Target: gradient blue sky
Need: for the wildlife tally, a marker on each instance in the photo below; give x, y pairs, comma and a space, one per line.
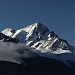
57, 15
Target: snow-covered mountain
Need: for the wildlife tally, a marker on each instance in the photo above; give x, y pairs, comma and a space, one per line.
34, 41
39, 37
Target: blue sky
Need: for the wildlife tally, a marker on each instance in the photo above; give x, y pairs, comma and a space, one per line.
57, 15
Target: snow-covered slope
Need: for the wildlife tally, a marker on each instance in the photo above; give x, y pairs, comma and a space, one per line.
33, 33
9, 32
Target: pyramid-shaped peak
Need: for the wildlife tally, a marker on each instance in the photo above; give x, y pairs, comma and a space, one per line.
36, 27
39, 25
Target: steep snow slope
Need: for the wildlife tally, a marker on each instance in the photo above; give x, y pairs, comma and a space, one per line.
33, 32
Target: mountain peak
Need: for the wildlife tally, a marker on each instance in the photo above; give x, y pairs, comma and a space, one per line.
38, 24
39, 27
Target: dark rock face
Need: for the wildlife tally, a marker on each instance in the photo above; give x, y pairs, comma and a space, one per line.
7, 38
36, 66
